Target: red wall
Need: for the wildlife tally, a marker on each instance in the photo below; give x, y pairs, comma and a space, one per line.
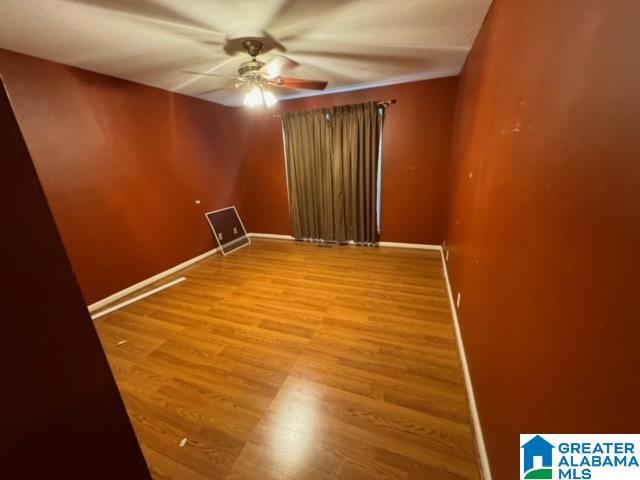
122, 165
544, 220
417, 137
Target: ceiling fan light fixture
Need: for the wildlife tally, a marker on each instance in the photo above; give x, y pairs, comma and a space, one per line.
258, 96
269, 99
254, 99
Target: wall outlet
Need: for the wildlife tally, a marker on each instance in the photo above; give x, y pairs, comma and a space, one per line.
458, 300
235, 230
220, 236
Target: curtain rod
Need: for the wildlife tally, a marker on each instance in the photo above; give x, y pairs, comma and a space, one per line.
381, 103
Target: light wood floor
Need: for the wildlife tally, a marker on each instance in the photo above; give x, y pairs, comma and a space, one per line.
287, 360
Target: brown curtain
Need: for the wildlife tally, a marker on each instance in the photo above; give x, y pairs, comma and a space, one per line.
332, 169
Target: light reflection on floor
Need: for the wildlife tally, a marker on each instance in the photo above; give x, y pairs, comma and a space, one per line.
294, 433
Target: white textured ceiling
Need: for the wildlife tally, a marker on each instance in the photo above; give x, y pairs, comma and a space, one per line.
350, 43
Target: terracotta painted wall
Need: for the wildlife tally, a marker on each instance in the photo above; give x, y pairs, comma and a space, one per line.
416, 143
122, 165
544, 220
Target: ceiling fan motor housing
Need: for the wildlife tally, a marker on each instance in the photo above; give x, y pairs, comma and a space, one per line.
253, 48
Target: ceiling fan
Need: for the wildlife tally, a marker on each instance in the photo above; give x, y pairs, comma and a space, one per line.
260, 76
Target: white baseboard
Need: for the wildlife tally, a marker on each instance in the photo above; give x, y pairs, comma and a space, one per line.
106, 311
485, 468
129, 290
419, 246
274, 236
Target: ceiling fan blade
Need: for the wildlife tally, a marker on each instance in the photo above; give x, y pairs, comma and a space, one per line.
274, 67
302, 83
211, 74
214, 90
155, 12
294, 19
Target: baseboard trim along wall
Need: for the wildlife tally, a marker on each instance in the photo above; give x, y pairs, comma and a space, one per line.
418, 246
129, 290
273, 236
485, 468
118, 306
